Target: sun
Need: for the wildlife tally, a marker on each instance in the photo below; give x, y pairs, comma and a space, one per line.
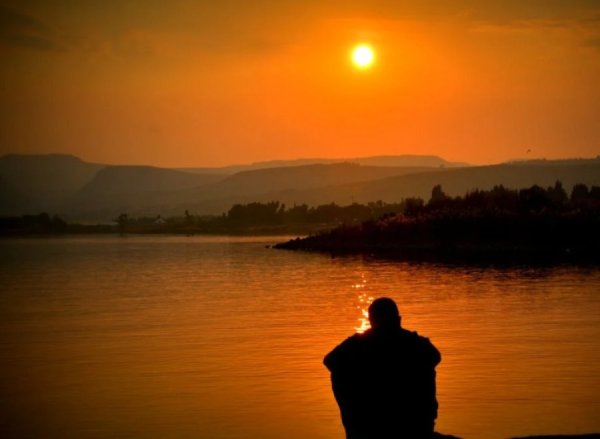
363, 56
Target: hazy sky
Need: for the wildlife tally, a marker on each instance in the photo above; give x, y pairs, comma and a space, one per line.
192, 83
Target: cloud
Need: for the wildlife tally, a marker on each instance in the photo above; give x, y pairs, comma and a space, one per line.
522, 25
584, 25
21, 30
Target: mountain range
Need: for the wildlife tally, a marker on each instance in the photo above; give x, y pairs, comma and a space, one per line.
90, 192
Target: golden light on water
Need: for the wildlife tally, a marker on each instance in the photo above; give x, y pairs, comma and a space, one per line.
363, 56
364, 300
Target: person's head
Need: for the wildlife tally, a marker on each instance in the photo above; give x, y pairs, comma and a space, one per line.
383, 314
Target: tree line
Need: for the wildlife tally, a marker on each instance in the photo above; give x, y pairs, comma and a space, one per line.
42, 223
497, 201
501, 200
275, 216
531, 224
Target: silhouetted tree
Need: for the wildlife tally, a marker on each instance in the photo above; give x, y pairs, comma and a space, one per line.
327, 212
533, 199
413, 206
122, 221
579, 194
254, 213
58, 224
595, 193
437, 194
503, 199
439, 199
297, 214
557, 196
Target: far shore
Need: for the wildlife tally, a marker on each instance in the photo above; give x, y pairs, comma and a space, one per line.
113, 231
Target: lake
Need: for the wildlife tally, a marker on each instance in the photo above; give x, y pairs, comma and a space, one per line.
223, 338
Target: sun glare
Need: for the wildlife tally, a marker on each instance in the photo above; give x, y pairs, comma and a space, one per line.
363, 56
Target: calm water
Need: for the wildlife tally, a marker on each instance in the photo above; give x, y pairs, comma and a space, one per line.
221, 338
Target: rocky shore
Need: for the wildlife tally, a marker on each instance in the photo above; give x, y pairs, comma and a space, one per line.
467, 238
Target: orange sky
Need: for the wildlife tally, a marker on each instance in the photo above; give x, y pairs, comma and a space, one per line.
193, 83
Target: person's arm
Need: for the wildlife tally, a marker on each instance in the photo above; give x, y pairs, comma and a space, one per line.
435, 357
338, 357
428, 352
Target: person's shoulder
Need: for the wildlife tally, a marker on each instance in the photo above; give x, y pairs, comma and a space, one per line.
340, 354
353, 340
416, 337
425, 346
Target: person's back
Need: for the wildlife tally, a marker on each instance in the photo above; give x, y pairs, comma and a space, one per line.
384, 379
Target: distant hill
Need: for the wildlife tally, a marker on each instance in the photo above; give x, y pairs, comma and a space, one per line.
115, 180
131, 189
419, 184
88, 192
66, 185
393, 189
406, 160
116, 190
454, 182
409, 160
303, 177
12, 200
31, 183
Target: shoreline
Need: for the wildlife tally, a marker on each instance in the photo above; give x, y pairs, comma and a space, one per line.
485, 255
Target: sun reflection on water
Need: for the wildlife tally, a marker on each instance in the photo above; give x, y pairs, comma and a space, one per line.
364, 300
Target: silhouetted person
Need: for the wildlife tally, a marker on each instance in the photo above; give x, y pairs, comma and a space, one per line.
384, 379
